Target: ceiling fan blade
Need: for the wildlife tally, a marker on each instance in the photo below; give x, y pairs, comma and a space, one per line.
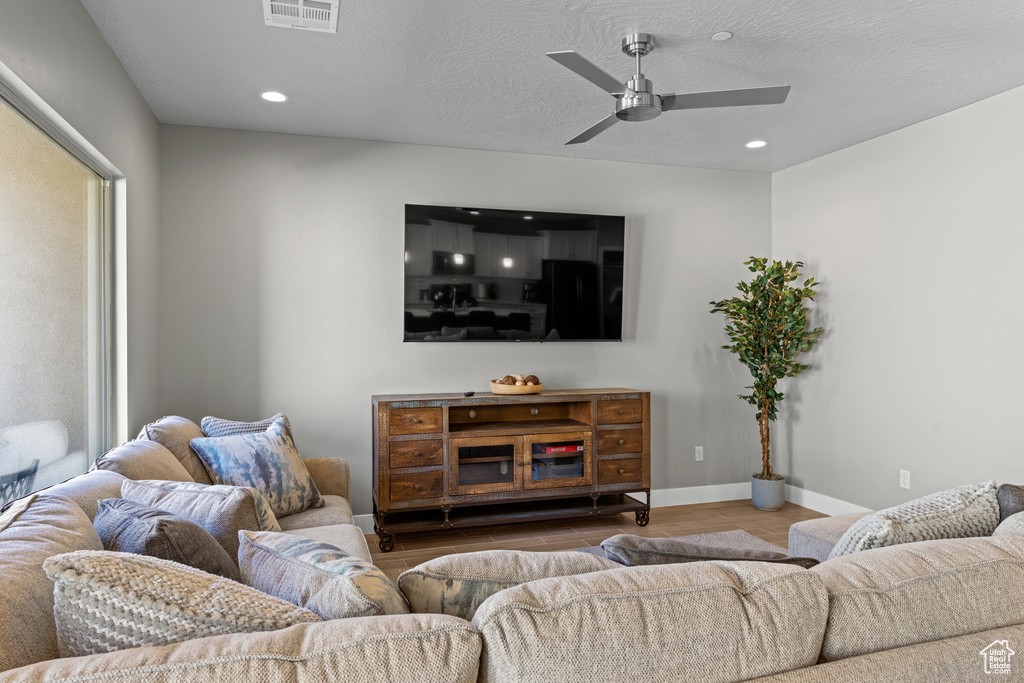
725, 98
602, 125
576, 62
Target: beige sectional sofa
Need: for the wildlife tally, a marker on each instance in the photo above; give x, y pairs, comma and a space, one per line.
917, 612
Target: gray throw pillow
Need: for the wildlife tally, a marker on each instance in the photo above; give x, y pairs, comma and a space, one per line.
129, 527
174, 433
266, 461
1011, 500
458, 584
221, 510
106, 601
216, 426
635, 550
143, 459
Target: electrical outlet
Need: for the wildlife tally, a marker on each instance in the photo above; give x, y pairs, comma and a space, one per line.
698, 453
904, 479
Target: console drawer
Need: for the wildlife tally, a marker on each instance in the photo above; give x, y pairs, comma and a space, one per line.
620, 412
415, 420
418, 485
416, 453
611, 441
630, 470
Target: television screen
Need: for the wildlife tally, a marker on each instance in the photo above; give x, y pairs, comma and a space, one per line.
476, 274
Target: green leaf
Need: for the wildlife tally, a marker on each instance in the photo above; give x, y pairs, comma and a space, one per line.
767, 328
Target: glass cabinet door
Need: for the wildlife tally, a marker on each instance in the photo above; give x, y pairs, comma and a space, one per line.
485, 464
557, 460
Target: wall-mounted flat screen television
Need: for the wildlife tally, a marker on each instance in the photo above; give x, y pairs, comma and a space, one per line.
478, 274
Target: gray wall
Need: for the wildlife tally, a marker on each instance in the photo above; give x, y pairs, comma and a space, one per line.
281, 261
56, 49
917, 237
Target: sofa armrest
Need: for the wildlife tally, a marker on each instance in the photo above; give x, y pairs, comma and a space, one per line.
816, 537
330, 476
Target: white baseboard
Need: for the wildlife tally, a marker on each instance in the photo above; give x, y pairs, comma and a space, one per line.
716, 493
819, 502
688, 495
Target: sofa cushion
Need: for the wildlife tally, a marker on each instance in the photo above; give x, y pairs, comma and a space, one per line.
1011, 500
336, 510
410, 648
962, 512
907, 594
129, 527
1011, 526
221, 510
266, 461
699, 621
217, 426
175, 434
34, 529
458, 584
143, 459
317, 576
88, 489
633, 550
106, 601
953, 660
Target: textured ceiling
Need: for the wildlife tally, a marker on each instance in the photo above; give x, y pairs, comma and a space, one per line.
473, 73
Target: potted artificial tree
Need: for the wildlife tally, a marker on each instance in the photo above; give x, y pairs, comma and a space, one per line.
767, 328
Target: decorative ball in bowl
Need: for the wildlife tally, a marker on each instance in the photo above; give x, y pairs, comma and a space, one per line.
516, 384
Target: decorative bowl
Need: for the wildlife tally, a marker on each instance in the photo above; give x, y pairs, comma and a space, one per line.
511, 389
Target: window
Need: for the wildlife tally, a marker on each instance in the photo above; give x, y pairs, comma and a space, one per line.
54, 341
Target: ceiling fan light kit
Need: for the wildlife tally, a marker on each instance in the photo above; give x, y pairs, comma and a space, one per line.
636, 101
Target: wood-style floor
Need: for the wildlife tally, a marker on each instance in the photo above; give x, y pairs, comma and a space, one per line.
679, 520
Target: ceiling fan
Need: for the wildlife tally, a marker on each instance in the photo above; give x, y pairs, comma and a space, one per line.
634, 100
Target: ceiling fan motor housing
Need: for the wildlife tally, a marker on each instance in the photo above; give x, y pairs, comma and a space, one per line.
640, 104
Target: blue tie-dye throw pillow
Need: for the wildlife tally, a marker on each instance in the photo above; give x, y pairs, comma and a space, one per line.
267, 461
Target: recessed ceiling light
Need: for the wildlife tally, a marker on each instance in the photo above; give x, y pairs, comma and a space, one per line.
274, 96
475, 213
527, 218
721, 36
754, 144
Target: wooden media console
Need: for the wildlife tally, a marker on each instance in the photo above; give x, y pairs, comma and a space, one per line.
444, 461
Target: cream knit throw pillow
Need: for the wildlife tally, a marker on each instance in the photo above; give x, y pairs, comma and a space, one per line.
962, 512
106, 601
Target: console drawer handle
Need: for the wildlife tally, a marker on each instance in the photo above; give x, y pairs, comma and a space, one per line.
417, 454
417, 486
622, 412
534, 411
622, 471
417, 421
472, 413
622, 441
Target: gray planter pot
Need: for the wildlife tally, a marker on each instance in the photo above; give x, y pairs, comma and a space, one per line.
767, 494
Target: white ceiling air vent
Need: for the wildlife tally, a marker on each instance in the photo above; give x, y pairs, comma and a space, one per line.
309, 15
